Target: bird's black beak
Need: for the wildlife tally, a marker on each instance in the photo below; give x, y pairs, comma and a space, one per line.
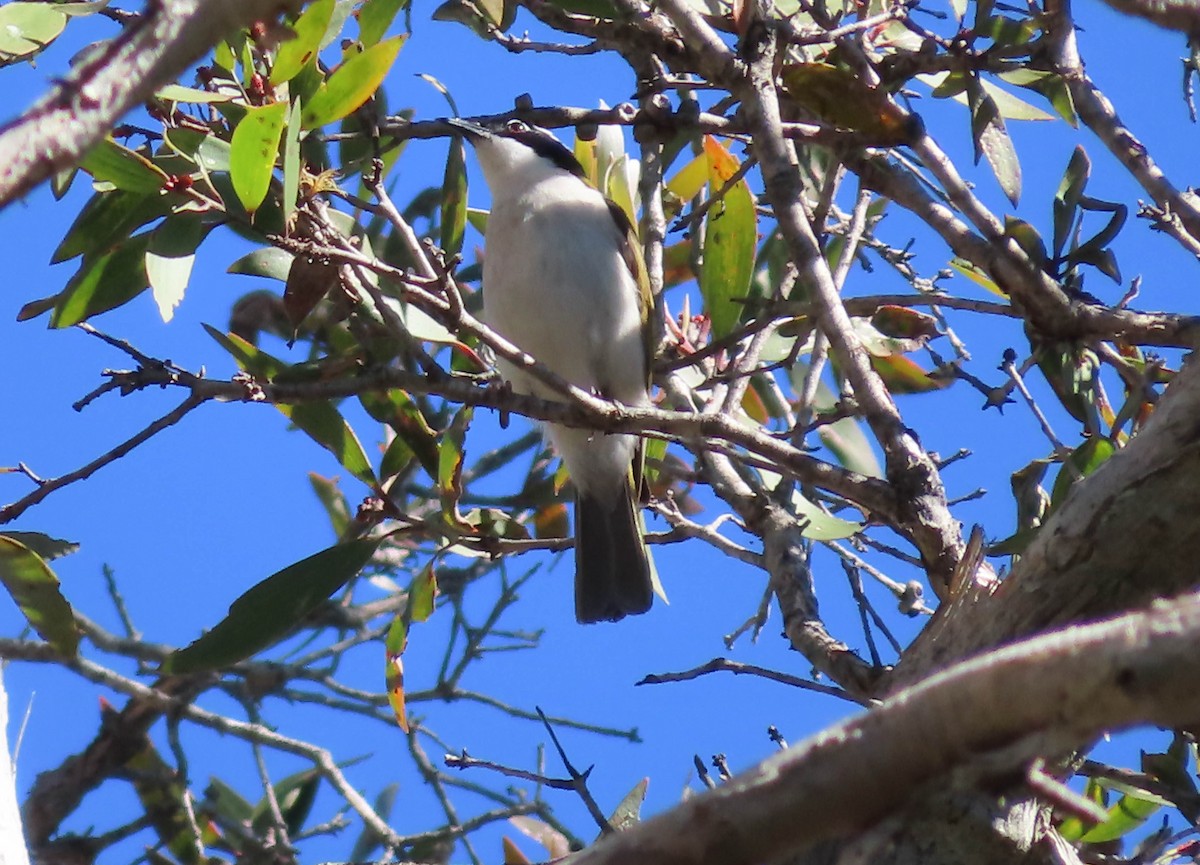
473, 131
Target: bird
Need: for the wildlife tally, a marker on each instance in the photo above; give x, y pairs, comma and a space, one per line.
564, 280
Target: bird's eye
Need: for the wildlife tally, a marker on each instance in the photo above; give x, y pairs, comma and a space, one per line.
516, 126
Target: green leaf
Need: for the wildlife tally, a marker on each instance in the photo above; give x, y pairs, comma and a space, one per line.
253, 150
109, 162
730, 238
27, 28
1066, 199
1127, 813
295, 796
295, 53
106, 220
1026, 237
1084, 460
35, 589
374, 19
820, 526
398, 410
322, 422
334, 502
207, 151
270, 262
992, 141
369, 840
454, 198
351, 84
169, 259
291, 163
269, 611
103, 282
193, 95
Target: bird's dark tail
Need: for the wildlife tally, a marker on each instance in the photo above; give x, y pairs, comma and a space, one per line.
612, 565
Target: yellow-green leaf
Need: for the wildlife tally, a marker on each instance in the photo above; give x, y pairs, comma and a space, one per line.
351, 84
27, 28
34, 586
295, 53
253, 150
374, 19
123, 168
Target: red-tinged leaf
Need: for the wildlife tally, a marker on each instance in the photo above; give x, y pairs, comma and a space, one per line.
551, 521
422, 593
903, 322
397, 639
34, 587
271, 610
125, 169
351, 84
904, 375
295, 53
253, 151
103, 282
319, 419
513, 854
309, 280
374, 19
554, 842
730, 238
450, 462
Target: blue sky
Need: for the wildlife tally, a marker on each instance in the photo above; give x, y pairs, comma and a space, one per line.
214, 505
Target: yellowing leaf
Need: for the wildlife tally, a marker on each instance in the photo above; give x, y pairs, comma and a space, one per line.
295, 53
730, 237
351, 84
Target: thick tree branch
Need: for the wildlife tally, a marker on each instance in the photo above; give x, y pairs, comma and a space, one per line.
978, 721
83, 107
